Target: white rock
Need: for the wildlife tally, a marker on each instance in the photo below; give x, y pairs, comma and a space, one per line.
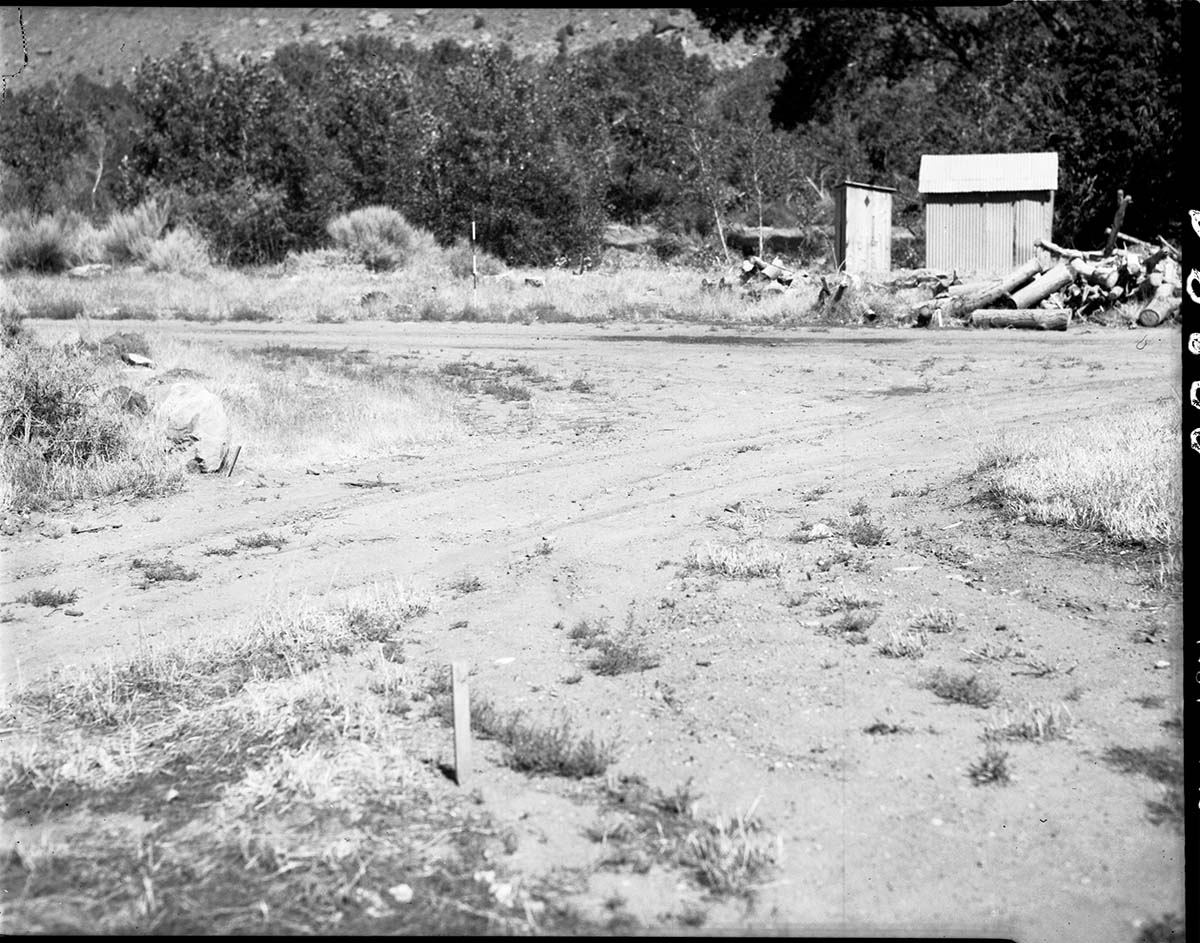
194, 417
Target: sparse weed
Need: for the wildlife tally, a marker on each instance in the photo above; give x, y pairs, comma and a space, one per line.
859, 508
261, 539
936, 621
616, 655
505, 392
1162, 764
468, 583
863, 533
582, 385
903, 645
880, 727
963, 688
587, 632
161, 571
990, 652
219, 551
839, 601
50, 598
812, 494
991, 769
1036, 722
824, 564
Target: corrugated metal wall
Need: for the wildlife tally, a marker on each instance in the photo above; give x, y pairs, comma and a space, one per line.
985, 233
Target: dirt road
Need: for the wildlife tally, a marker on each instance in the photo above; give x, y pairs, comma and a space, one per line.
587, 504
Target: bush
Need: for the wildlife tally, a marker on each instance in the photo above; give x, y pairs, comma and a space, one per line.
458, 260
181, 251
129, 237
379, 237
42, 245
49, 404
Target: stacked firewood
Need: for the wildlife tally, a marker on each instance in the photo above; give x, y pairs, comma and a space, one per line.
1068, 284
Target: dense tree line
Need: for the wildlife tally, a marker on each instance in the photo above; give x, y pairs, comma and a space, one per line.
259, 155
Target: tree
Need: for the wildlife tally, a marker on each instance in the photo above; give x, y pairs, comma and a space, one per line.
39, 135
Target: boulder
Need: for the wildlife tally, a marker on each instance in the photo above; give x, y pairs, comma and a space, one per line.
194, 419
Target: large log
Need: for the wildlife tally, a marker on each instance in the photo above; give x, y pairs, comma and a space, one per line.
1162, 307
1042, 319
1044, 286
994, 294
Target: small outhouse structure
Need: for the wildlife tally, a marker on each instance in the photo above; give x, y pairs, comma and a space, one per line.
862, 241
984, 211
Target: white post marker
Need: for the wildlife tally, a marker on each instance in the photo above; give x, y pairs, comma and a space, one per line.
462, 722
474, 269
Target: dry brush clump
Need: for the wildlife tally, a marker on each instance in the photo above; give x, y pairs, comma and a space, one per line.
1035, 722
63, 439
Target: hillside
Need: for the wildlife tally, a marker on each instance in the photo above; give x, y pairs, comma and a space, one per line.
104, 43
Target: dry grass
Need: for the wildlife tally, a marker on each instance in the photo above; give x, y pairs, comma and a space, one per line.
247, 786
1035, 722
903, 645
299, 410
49, 598
1119, 474
324, 287
935, 620
736, 562
991, 769
727, 855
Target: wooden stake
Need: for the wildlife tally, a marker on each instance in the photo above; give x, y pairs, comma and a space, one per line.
236, 453
462, 722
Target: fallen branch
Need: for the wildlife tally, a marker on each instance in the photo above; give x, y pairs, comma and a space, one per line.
1066, 253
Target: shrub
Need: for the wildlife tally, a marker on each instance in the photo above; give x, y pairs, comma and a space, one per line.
181, 251
47, 395
963, 689
41, 245
458, 260
129, 237
379, 237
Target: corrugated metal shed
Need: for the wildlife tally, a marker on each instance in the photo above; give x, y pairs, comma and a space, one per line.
983, 212
988, 173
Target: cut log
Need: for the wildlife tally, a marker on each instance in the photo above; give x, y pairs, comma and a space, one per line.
995, 294
1162, 307
1119, 217
968, 288
1041, 319
1044, 286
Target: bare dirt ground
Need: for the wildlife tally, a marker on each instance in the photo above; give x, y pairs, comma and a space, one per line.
586, 504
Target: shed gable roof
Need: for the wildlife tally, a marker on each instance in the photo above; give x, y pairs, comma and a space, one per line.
988, 173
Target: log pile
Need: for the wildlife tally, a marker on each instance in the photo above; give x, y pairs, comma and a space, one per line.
1140, 279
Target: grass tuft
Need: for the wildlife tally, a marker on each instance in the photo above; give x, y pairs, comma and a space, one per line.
863, 533
937, 621
1036, 722
903, 645
991, 769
